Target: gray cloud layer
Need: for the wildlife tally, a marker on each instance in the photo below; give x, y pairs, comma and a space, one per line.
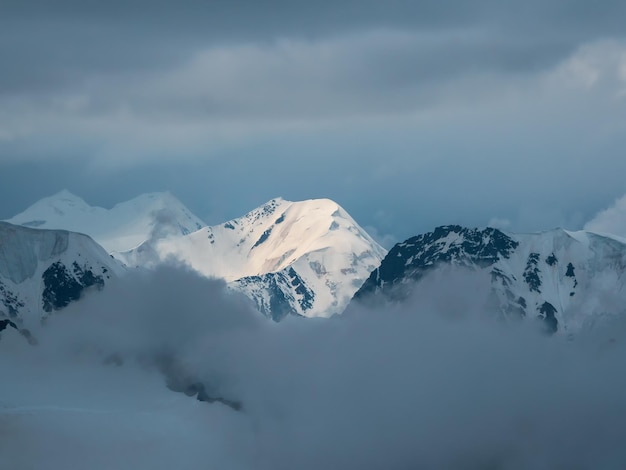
62, 45
374, 104
433, 383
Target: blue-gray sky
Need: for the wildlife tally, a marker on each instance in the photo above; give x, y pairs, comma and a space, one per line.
410, 114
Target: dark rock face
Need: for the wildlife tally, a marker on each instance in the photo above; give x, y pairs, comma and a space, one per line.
551, 260
531, 273
63, 285
546, 313
4, 324
306, 295
281, 219
45, 270
531, 276
11, 302
199, 390
179, 380
282, 290
264, 236
450, 244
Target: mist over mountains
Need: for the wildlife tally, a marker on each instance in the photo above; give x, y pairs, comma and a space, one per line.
569, 280
462, 349
423, 383
309, 258
307, 235
303, 258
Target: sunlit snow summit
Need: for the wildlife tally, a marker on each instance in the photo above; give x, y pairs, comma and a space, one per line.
306, 258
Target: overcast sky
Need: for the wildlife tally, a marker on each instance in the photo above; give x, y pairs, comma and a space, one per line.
409, 114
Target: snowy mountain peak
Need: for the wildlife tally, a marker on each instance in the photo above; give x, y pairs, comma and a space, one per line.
565, 278
67, 196
269, 238
310, 255
263, 212
58, 205
306, 257
44, 270
121, 228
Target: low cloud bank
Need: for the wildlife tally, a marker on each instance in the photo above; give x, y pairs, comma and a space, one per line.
431, 383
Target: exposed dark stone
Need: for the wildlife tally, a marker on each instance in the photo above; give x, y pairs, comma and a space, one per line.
531, 273
547, 314
199, 390
279, 304
308, 296
262, 238
61, 287
7, 323
177, 380
413, 258
280, 287
551, 260
497, 274
10, 301
570, 273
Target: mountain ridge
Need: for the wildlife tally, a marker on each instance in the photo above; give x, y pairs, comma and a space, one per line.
44, 270
565, 278
299, 250
121, 228
303, 257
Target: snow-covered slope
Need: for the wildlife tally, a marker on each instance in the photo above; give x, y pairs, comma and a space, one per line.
566, 278
304, 257
44, 270
121, 228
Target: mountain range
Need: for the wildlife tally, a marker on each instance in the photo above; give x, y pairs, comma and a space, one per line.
566, 279
121, 228
306, 258
42, 271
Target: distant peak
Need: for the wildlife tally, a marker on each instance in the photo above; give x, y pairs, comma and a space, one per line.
62, 198
275, 201
164, 194
65, 194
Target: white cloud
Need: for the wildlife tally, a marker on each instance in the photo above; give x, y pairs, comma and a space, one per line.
611, 220
499, 223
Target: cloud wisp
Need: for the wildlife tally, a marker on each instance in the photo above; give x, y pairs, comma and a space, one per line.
611, 220
431, 383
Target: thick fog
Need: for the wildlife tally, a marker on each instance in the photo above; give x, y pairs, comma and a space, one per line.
435, 382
